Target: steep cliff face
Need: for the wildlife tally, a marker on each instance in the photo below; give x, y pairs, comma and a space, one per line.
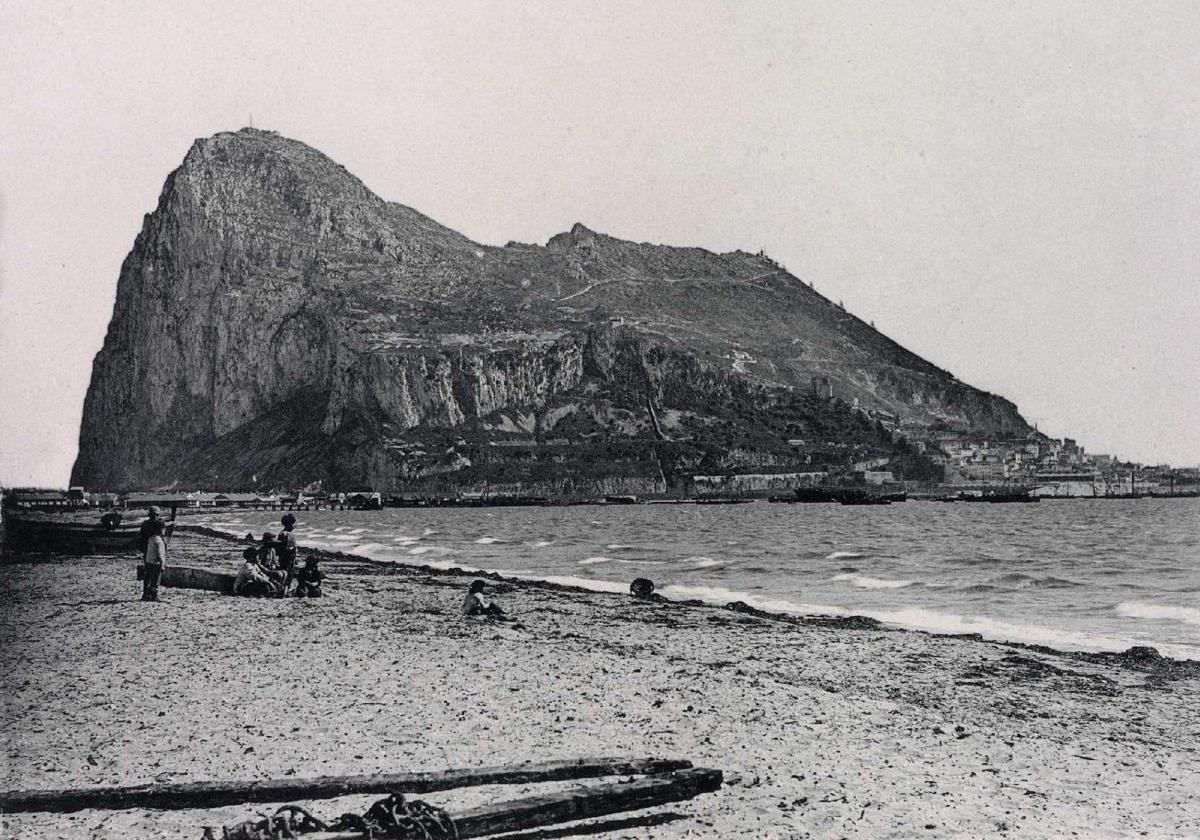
276, 323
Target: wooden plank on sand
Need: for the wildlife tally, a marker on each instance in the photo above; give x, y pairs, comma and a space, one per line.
217, 794
586, 801
579, 803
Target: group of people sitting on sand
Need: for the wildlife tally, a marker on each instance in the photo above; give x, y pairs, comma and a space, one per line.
269, 568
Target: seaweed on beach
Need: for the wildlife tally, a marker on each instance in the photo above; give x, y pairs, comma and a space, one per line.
1022, 669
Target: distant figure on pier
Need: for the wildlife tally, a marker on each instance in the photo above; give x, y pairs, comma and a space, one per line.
154, 558
476, 604
308, 579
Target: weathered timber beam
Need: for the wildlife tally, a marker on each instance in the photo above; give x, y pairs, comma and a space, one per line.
217, 794
579, 803
189, 577
584, 802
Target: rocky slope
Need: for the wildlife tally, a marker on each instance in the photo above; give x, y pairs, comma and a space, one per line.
276, 324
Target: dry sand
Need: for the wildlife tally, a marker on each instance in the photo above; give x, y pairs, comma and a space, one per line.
823, 731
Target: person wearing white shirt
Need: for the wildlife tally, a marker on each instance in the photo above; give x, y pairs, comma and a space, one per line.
155, 559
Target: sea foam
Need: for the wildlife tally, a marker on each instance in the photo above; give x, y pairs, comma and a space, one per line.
1140, 609
572, 580
867, 582
721, 595
918, 618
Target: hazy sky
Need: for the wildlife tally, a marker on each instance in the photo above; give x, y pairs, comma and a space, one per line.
1010, 190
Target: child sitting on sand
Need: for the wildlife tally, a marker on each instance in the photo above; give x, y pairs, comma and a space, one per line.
477, 604
266, 552
252, 580
308, 579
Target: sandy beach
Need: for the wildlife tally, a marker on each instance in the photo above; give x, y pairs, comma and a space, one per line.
823, 729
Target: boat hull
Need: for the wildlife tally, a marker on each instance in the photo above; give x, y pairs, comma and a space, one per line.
69, 537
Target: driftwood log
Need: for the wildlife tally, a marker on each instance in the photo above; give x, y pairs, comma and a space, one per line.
189, 577
217, 794
579, 803
586, 801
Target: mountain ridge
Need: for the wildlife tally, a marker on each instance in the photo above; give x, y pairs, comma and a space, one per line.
268, 274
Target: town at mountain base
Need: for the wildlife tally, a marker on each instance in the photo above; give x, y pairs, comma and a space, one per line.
278, 324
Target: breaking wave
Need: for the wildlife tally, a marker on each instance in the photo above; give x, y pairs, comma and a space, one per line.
1140, 609
866, 582
722, 595
1019, 580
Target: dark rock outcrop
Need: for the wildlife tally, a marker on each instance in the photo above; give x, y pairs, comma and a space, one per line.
277, 324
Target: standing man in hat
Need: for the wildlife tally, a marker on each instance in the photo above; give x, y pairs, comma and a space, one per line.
155, 559
147, 529
285, 549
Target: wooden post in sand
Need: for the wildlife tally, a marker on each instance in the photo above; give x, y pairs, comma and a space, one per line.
217, 794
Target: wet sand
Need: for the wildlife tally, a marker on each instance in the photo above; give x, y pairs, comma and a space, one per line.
823, 730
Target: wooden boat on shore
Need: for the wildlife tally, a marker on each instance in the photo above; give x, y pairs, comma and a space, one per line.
48, 535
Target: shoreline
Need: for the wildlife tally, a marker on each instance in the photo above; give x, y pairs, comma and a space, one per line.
823, 729
1137, 658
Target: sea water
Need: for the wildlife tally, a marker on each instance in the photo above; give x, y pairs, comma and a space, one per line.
1079, 574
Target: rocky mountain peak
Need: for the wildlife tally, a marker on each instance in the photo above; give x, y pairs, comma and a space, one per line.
277, 321
579, 235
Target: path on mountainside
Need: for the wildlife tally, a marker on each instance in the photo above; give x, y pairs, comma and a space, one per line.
747, 282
